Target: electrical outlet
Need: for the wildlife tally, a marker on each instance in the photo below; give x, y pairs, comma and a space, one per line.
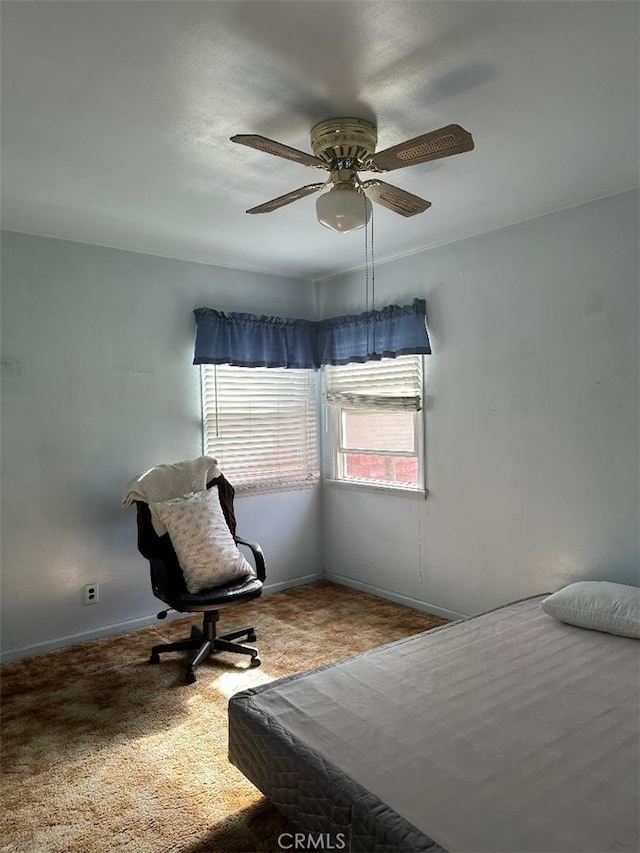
91, 593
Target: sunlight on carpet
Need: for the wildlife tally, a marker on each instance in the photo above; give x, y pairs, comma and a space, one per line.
228, 683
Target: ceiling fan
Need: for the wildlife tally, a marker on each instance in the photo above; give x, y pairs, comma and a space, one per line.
347, 146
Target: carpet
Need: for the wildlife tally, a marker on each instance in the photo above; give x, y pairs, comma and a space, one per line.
103, 752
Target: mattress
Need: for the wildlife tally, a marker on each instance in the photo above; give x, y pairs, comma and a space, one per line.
509, 731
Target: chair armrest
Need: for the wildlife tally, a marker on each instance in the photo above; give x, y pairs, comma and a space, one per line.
258, 556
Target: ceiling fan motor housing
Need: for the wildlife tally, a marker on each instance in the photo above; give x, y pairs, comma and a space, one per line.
345, 143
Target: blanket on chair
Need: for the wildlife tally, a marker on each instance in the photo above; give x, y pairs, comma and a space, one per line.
173, 480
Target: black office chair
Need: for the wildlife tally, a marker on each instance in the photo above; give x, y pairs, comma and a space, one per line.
167, 581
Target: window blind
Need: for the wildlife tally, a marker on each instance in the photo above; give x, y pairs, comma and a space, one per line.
391, 384
261, 425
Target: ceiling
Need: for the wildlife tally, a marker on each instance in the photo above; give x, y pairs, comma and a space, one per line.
116, 118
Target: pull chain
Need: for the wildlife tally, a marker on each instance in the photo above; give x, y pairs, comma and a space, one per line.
366, 275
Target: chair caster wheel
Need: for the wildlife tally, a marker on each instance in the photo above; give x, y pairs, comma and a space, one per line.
190, 677
251, 638
255, 661
154, 658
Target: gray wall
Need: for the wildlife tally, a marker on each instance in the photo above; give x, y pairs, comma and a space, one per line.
98, 385
532, 421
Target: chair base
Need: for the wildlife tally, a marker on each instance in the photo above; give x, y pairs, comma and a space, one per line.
207, 642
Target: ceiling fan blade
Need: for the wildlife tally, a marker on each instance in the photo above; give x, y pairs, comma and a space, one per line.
400, 201
261, 143
275, 203
451, 139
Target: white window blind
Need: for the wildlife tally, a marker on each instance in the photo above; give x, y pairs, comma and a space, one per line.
261, 425
392, 384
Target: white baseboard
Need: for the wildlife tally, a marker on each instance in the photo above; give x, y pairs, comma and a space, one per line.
81, 637
62, 642
415, 603
302, 581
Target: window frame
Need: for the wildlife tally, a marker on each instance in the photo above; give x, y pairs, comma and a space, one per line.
336, 451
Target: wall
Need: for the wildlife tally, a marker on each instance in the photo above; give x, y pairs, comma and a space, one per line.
98, 385
531, 423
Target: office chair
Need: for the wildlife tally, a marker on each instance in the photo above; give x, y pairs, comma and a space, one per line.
168, 584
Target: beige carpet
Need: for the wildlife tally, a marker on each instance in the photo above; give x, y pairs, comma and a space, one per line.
103, 752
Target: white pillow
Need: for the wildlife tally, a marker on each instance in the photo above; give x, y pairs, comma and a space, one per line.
206, 550
599, 605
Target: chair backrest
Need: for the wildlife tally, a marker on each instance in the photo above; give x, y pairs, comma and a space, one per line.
167, 579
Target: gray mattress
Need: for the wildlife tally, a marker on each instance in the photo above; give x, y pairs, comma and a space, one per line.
509, 731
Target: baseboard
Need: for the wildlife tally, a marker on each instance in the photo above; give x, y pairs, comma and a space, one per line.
415, 603
302, 581
127, 625
81, 637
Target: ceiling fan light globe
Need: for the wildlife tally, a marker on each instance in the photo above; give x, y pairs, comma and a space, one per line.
343, 210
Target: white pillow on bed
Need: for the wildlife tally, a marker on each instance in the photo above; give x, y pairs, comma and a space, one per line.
599, 605
206, 550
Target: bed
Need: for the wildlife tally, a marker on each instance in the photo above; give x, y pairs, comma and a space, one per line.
508, 731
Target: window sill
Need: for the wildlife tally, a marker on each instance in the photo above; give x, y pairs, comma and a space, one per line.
378, 488
270, 488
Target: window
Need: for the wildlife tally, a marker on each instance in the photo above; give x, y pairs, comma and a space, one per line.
376, 424
261, 425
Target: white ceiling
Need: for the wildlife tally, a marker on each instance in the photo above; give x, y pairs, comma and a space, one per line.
116, 118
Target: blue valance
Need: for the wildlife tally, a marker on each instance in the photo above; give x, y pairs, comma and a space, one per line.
373, 335
251, 340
